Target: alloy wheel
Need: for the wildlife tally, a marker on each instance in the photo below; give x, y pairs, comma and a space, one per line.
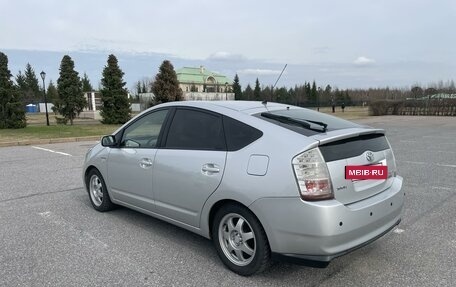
237, 239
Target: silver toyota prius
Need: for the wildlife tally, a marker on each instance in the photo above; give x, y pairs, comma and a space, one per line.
262, 180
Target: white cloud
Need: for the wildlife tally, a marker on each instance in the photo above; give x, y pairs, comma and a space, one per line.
225, 56
260, 72
308, 38
363, 61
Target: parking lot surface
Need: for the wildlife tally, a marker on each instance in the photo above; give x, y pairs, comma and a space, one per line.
51, 236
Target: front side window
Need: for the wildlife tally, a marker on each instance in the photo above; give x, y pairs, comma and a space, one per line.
145, 131
196, 130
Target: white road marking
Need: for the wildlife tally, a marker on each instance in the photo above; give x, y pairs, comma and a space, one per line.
45, 214
398, 230
439, 137
446, 165
442, 187
50, 150
412, 162
423, 150
423, 163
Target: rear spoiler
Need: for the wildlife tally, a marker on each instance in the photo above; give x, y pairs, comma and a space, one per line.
345, 134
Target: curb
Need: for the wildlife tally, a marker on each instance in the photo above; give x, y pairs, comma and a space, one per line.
49, 141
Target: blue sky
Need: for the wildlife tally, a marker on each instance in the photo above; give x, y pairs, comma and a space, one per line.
343, 43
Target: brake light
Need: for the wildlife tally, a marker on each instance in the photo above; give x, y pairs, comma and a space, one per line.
392, 167
312, 176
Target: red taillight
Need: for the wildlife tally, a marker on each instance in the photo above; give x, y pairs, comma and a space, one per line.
312, 176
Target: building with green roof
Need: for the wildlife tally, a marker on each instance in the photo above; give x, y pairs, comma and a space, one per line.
202, 84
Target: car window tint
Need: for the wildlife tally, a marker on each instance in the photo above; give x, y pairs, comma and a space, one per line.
144, 132
238, 134
192, 129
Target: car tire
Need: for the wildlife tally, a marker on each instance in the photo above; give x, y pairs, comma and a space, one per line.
240, 240
98, 193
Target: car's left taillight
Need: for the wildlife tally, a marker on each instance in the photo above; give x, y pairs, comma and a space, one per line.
312, 176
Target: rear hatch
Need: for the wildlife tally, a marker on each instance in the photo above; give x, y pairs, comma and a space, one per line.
350, 147
341, 143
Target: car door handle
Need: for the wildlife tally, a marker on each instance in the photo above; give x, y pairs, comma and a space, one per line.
145, 163
210, 168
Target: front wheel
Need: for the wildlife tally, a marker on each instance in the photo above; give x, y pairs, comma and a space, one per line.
98, 193
240, 240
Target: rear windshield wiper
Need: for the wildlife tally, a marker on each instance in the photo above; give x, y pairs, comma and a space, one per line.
322, 124
301, 122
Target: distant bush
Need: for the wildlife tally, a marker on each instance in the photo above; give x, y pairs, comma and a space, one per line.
431, 107
61, 120
378, 108
385, 107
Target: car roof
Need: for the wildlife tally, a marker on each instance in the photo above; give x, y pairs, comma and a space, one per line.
232, 105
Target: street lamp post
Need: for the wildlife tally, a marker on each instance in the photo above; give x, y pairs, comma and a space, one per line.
43, 76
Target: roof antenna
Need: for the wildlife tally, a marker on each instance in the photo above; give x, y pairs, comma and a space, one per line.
272, 90
279, 77
265, 104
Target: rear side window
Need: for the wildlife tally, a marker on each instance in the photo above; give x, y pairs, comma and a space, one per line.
196, 130
239, 135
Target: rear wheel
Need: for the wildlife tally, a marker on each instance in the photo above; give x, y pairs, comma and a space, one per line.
240, 240
98, 193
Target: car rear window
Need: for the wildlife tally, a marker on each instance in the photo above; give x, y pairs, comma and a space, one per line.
302, 114
196, 130
238, 134
352, 147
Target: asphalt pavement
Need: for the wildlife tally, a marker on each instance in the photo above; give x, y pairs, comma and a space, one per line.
51, 236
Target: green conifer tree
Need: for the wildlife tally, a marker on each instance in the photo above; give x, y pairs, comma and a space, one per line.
86, 85
166, 87
313, 94
114, 96
12, 114
33, 92
257, 91
52, 93
237, 89
71, 100
248, 93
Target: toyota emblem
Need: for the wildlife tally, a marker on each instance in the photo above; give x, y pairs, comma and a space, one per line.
370, 156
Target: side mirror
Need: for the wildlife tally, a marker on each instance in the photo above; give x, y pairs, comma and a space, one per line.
108, 141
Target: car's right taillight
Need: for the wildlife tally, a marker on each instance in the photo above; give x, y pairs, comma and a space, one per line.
392, 167
312, 176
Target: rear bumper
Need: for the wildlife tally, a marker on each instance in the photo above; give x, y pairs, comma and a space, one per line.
322, 231
321, 261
